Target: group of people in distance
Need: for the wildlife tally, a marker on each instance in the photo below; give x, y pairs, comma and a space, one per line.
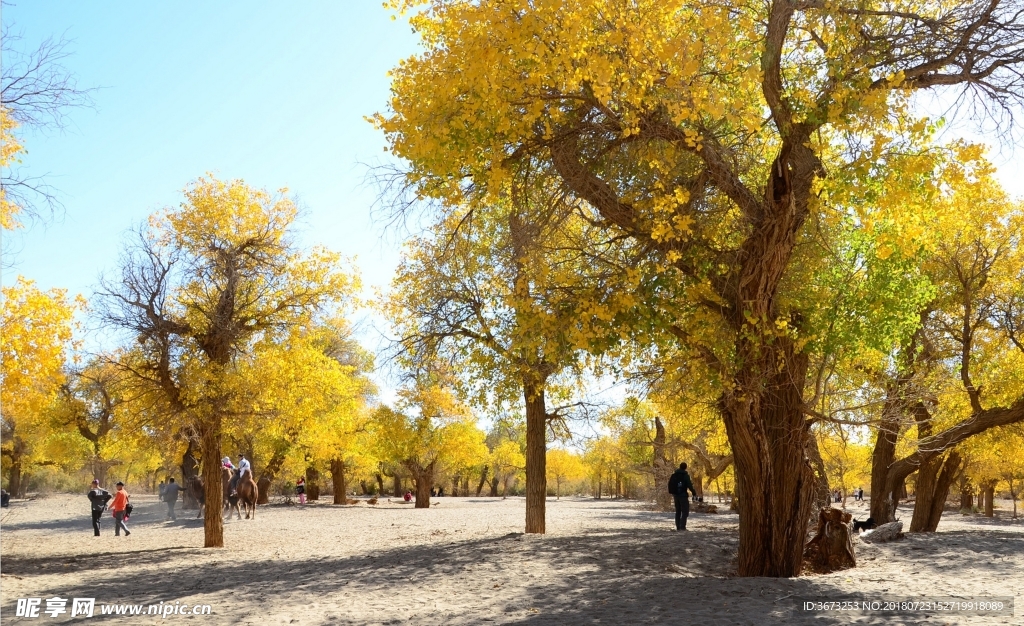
678, 485
858, 495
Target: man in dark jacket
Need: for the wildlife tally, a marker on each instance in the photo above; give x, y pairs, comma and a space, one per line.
99, 498
678, 485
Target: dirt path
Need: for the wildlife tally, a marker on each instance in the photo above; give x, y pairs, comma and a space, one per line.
464, 561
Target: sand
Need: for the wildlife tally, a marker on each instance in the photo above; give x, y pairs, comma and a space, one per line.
465, 561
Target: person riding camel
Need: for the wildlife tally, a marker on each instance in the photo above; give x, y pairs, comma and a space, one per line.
243, 467
227, 464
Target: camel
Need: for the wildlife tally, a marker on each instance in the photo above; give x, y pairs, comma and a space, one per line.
195, 487
248, 493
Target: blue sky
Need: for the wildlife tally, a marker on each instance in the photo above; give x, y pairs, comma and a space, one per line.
270, 92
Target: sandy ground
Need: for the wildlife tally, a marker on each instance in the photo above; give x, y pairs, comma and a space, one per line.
465, 561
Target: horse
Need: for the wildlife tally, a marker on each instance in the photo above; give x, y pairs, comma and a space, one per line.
248, 493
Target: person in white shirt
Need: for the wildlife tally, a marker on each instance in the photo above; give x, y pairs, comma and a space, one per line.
243, 466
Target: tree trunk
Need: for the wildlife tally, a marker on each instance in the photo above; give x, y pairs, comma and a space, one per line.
768, 434
398, 486
455, 486
821, 498
424, 477
495, 481
662, 469
263, 490
483, 480
933, 482
338, 479
14, 482
465, 486
213, 521
312, 483
884, 497
536, 457
990, 493
966, 493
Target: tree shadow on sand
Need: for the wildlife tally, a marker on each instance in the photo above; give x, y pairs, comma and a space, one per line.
619, 576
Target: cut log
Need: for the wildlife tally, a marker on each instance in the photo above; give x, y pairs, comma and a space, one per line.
831, 549
885, 532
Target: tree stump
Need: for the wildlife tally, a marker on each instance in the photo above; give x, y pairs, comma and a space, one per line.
831, 549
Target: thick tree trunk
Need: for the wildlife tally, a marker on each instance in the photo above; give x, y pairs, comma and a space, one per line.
339, 482
483, 480
536, 458
465, 486
268, 475
768, 434
398, 486
934, 479
495, 481
213, 493
662, 469
455, 486
424, 477
883, 488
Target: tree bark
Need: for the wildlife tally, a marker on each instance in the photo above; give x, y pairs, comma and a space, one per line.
883, 486
397, 485
831, 549
339, 482
536, 457
213, 490
768, 434
933, 482
495, 481
821, 498
424, 478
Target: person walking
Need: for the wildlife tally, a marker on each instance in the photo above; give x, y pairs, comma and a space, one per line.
678, 484
300, 489
99, 498
118, 506
171, 498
